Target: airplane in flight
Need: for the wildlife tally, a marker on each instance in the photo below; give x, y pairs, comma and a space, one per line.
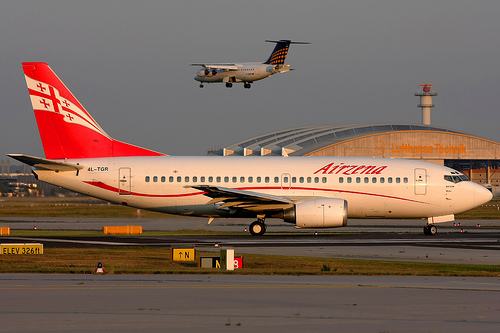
247, 72
309, 192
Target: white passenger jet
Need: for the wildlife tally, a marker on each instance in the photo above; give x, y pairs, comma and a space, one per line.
246, 72
310, 192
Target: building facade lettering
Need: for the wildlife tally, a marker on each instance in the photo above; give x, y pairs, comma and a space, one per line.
407, 148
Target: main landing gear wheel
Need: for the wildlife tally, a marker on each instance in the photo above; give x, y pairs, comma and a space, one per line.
201, 85
229, 84
430, 230
258, 228
247, 85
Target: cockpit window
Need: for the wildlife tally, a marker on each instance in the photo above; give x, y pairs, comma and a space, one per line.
456, 178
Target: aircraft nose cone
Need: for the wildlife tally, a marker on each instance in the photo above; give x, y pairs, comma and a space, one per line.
482, 195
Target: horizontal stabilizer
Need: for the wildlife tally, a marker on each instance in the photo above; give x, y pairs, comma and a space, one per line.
41, 163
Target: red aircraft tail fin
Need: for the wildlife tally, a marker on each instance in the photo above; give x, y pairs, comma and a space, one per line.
67, 130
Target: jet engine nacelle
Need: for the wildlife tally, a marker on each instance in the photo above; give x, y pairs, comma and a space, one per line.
318, 213
207, 72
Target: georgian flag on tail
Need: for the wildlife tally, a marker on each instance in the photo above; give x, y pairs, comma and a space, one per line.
45, 97
67, 130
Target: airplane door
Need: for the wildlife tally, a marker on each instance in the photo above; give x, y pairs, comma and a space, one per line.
286, 181
420, 181
124, 181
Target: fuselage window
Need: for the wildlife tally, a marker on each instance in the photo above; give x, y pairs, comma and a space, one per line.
147, 179
210, 179
259, 179
358, 180
171, 179
179, 179
389, 180
195, 179
250, 179
366, 180
294, 179
155, 179
276, 180
163, 179
242, 179
398, 180
341, 180
301, 179
309, 179
374, 180
323, 179
186, 179
316, 179
285, 179
219, 179
235, 179
266, 179
382, 180
349, 180
405, 180
226, 179
202, 179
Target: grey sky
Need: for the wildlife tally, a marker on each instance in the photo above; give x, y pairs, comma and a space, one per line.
128, 63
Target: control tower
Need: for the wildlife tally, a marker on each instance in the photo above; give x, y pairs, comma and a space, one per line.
426, 92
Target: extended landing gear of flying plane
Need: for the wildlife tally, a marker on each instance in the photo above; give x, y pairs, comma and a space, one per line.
229, 84
258, 228
247, 85
201, 85
430, 230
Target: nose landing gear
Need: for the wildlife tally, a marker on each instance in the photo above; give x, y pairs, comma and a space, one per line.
430, 230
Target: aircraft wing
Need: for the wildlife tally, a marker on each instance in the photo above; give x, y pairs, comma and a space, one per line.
249, 200
230, 67
41, 163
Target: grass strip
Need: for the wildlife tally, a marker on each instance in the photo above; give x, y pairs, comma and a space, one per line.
147, 260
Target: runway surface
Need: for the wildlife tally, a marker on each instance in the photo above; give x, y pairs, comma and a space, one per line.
192, 303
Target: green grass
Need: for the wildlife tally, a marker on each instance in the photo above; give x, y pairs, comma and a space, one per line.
148, 260
68, 207
489, 211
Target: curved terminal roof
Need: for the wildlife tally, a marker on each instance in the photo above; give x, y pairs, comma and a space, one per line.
305, 139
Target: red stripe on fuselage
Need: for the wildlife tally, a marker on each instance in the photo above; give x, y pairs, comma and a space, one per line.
114, 189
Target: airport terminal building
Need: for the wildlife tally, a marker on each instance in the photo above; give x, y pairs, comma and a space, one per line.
477, 158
